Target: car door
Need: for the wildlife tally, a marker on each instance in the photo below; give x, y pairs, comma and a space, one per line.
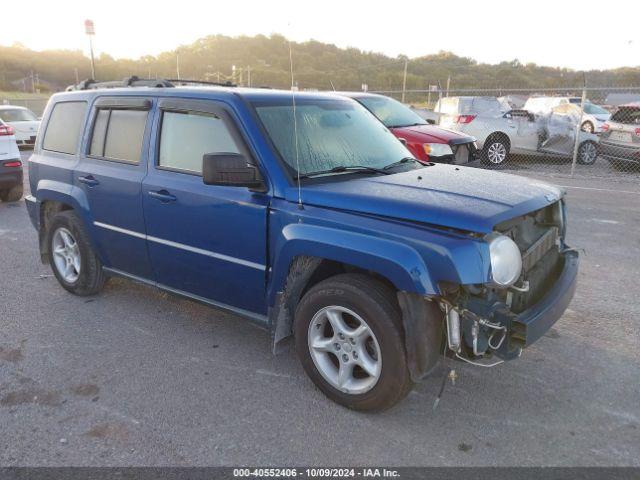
110, 173
561, 130
207, 241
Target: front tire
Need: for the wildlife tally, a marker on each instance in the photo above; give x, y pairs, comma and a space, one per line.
349, 339
73, 261
12, 194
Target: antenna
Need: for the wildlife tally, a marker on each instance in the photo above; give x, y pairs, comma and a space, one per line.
295, 129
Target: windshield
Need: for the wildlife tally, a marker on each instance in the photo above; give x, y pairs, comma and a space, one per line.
391, 112
331, 133
592, 109
17, 115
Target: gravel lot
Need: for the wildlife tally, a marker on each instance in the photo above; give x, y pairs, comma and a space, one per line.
137, 377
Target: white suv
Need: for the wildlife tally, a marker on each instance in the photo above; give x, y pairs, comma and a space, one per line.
501, 130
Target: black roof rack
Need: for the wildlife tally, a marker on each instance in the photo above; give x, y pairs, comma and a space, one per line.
200, 82
134, 81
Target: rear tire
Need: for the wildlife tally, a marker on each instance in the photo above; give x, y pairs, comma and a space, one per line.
72, 259
587, 153
495, 150
378, 375
587, 127
12, 194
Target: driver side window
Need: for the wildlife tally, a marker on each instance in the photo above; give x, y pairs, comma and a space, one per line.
186, 136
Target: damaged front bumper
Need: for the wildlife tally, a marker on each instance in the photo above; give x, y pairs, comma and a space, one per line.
477, 328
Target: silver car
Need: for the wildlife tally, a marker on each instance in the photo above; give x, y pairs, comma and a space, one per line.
501, 131
620, 141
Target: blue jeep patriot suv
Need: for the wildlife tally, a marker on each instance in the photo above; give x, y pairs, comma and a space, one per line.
303, 213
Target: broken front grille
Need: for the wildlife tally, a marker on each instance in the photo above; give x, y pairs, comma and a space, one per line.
539, 248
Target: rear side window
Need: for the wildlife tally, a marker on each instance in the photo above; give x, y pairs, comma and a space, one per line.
64, 127
186, 137
118, 134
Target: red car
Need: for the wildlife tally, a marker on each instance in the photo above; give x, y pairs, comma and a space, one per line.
426, 142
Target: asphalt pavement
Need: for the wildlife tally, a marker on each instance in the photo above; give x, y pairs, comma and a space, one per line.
134, 376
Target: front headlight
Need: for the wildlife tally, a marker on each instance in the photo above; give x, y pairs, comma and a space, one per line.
506, 260
437, 149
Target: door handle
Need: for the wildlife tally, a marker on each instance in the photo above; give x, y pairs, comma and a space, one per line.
89, 180
163, 196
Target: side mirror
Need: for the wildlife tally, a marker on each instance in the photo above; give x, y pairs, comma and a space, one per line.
403, 141
230, 169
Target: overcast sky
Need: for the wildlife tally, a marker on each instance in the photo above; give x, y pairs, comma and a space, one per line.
582, 34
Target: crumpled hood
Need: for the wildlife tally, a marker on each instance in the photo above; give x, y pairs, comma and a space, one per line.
452, 196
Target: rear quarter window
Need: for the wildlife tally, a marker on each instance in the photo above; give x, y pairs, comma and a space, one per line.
64, 127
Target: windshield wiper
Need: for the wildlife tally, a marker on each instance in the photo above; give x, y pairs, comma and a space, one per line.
345, 168
401, 162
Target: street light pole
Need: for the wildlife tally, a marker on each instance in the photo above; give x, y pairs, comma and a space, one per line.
90, 30
404, 79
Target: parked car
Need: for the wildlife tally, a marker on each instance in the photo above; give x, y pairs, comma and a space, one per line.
24, 122
501, 131
313, 221
593, 119
425, 141
620, 142
10, 165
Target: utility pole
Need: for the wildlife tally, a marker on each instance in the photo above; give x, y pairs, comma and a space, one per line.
178, 64
33, 83
448, 84
404, 79
248, 75
77, 76
90, 30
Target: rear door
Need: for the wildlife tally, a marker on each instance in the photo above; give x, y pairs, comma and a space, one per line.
110, 172
208, 241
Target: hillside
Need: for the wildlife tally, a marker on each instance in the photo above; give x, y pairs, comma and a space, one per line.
265, 60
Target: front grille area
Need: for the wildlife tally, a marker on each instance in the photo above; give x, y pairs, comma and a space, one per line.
539, 248
538, 238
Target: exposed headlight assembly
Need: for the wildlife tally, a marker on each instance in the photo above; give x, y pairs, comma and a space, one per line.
506, 260
437, 149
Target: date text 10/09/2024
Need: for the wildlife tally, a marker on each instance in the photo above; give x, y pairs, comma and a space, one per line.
316, 472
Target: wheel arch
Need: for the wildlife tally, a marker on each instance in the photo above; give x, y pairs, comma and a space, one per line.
501, 135
311, 254
53, 197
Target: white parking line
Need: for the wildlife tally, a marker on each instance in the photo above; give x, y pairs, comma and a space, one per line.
600, 189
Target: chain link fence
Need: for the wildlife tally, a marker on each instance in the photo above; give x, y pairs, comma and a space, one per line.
36, 104
588, 132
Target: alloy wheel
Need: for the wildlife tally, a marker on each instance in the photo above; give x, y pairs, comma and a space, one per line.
588, 153
66, 255
497, 153
344, 349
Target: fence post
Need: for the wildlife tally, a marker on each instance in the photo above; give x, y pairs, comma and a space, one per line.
576, 144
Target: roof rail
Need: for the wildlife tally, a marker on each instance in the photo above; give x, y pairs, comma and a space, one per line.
91, 84
133, 81
178, 81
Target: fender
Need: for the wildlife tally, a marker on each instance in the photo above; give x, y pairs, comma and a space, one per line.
399, 263
53, 190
